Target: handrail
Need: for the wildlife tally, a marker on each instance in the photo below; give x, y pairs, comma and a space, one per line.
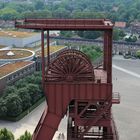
116, 98
116, 95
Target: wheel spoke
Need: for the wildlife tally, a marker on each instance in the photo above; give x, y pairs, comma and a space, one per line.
70, 65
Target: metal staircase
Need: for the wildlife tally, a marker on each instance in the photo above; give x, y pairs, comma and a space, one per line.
99, 113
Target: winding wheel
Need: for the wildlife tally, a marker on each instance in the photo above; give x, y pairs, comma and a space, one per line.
70, 65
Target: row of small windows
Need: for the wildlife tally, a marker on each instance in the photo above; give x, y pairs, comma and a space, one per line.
20, 73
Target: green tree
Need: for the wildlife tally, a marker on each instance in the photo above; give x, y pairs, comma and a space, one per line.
8, 14
97, 48
131, 39
3, 108
25, 98
26, 136
38, 73
61, 13
38, 80
89, 34
6, 135
30, 79
121, 33
21, 7
138, 53
116, 34
21, 83
92, 52
34, 92
66, 33
9, 90
37, 14
14, 105
2, 5
39, 5
92, 34
80, 33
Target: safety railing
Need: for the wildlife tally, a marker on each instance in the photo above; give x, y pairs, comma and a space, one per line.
116, 98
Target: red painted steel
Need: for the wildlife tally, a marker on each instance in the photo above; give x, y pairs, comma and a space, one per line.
70, 65
48, 48
65, 24
105, 50
71, 84
43, 57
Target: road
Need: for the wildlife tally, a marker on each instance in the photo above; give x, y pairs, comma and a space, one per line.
126, 81
127, 114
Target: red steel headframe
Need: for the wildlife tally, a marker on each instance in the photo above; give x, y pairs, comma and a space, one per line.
72, 24
71, 81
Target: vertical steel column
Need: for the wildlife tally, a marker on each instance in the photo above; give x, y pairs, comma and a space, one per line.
105, 50
43, 57
48, 48
109, 71
76, 114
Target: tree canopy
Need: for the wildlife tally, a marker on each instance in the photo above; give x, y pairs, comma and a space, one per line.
116, 10
25, 136
18, 98
6, 135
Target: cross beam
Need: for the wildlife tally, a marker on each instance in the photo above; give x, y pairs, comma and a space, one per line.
65, 24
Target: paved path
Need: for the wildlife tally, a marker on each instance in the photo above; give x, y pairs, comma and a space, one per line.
27, 123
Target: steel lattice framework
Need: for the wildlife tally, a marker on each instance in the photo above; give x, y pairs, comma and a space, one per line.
72, 85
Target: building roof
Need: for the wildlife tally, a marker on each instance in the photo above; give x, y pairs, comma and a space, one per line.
18, 53
15, 34
52, 49
120, 24
12, 67
2, 46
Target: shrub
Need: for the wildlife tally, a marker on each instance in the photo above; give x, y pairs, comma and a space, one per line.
34, 92
14, 105
25, 136
3, 108
9, 90
25, 98
18, 98
93, 52
131, 39
138, 53
6, 135
21, 83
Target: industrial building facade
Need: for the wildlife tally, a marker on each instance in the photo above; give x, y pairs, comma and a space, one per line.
27, 67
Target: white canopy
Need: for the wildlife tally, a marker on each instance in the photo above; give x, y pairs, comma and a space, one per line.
10, 53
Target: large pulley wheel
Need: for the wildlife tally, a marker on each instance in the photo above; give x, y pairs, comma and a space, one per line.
77, 52
70, 66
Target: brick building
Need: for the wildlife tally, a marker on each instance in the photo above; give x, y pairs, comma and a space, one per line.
120, 24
